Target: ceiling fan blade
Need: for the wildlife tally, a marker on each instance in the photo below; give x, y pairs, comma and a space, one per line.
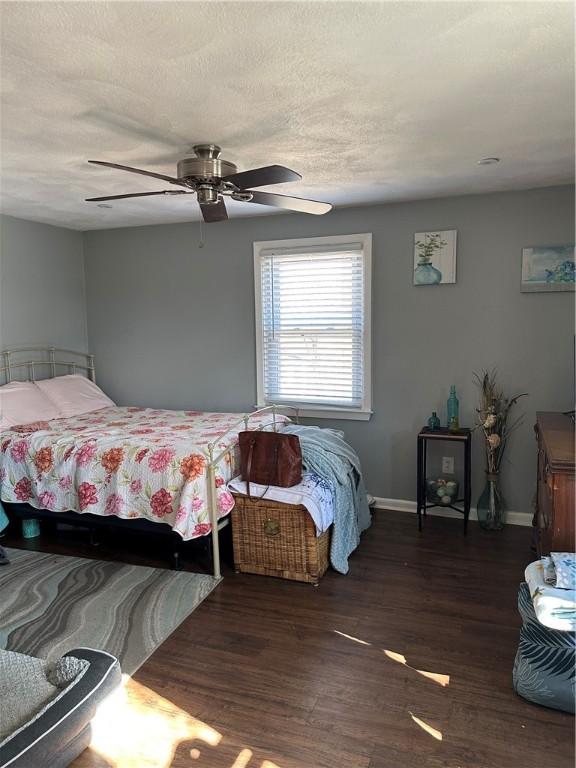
290, 203
261, 177
214, 211
138, 194
171, 179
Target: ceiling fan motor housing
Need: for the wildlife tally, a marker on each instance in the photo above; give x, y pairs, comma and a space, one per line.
207, 166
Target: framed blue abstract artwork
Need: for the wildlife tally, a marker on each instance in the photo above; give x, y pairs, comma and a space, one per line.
548, 268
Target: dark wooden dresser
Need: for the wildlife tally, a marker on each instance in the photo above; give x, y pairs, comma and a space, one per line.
555, 512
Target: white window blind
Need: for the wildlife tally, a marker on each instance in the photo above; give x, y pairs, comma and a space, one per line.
312, 324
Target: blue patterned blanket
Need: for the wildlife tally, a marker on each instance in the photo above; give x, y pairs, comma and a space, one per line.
326, 453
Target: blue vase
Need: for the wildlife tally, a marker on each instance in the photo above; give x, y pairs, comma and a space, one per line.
30, 528
433, 421
426, 274
3, 518
453, 406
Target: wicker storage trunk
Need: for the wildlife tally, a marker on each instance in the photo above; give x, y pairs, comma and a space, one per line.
275, 539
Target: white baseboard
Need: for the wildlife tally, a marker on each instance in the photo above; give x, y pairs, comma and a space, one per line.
404, 505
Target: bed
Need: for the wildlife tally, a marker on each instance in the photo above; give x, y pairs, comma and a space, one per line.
122, 463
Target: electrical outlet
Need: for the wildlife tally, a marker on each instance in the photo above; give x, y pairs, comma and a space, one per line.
448, 465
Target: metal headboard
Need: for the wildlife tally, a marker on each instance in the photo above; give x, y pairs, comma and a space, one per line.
48, 360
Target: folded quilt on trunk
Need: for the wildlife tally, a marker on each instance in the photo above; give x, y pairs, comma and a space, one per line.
313, 493
325, 452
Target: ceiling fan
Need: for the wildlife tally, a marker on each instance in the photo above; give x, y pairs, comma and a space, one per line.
211, 179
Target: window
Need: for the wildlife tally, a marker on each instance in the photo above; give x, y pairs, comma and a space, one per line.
313, 324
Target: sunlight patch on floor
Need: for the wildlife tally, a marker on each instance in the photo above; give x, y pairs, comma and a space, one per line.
137, 728
395, 656
434, 732
243, 759
442, 680
351, 637
436, 677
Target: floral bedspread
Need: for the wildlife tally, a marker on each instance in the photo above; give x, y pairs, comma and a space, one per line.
128, 462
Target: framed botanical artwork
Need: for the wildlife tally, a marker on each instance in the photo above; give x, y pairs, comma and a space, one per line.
435, 257
547, 268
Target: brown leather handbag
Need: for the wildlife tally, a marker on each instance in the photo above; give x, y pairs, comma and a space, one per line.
270, 458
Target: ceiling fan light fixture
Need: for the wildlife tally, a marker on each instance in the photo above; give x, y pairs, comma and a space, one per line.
207, 194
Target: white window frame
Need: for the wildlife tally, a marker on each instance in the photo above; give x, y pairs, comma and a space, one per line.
317, 411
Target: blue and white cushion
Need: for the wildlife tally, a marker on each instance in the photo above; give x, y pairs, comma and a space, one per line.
565, 566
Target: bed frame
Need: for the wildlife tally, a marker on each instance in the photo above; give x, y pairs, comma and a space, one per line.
23, 363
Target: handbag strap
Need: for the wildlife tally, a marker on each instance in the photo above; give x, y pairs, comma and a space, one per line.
249, 468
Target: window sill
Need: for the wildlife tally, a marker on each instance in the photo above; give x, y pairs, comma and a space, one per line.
317, 412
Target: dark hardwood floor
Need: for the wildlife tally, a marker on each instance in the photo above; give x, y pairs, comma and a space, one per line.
403, 663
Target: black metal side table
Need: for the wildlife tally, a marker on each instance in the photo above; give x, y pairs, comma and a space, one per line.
463, 436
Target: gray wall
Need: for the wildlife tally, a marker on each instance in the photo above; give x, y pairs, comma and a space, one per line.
172, 324
42, 291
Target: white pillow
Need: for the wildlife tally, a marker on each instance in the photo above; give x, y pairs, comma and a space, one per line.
74, 395
21, 402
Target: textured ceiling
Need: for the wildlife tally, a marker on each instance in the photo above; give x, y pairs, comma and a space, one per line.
370, 101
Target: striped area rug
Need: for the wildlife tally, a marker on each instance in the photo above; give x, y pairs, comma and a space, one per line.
50, 604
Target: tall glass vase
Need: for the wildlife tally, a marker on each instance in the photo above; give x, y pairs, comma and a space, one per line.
491, 505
